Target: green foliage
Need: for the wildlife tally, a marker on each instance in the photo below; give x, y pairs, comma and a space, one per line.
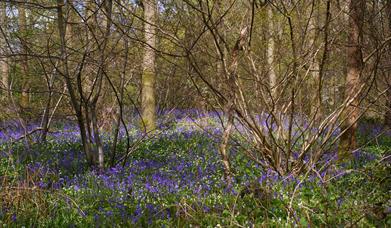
358, 195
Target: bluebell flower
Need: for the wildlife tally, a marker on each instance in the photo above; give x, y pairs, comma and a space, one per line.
13, 217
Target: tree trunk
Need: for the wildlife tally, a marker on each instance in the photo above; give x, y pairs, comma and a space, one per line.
316, 100
353, 79
65, 33
24, 99
229, 107
100, 75
3, 47
97, 140
221, 47
387, 116
148, 105
320, 66
270, 53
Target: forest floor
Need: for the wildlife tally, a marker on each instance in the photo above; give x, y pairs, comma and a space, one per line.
175, 179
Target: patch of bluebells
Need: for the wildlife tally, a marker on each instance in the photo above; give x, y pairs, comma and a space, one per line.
180, 162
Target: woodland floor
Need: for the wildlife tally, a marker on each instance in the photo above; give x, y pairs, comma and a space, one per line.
176, 179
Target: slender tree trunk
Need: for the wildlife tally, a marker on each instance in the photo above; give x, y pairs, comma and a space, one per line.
64, 33
120, 103
46, 112
24, 99
3, 48
387, 116
316, 101
97, 139
222, 38
353, 78
270, 53
229, 107
100, 75
91, 17
149, 74
224, 76
70, 21
85, 81
223, 149
321, 65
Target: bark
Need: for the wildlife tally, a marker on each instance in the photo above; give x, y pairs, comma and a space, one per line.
46, 113
353, 79
90, 15
270, 54
232, 77
105, 35
84, 82
387, 116
316, 101
71, 20
97, 140
221, 46
149, 74
24, 99
223, 149
3, 47
322, 64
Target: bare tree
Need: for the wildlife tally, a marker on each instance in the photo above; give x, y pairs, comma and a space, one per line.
285, 138
84, 99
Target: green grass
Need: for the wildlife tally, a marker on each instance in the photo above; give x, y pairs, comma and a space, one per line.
192, 194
